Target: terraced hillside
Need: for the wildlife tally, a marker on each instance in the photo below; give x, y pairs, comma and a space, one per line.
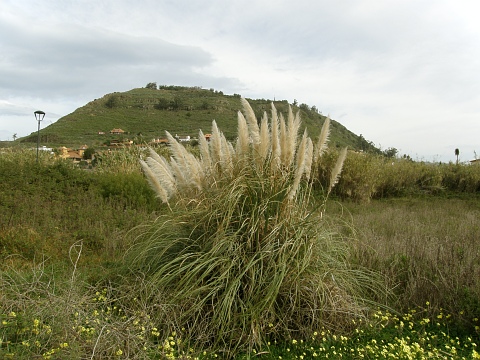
145, 114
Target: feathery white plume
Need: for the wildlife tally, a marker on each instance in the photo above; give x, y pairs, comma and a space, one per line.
275, 140
283, 142
308, 159
216, 147
323, 139
242, 146
264, 146
335, 176
154, 183
251, 121
163, 173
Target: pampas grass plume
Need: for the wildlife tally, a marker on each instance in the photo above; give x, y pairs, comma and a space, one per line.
283, 136
308, 158
216, 146
154, 182
275, 140
251, 121
264, 146
242, 146
323, 139
335, 176
163, 174
300, 166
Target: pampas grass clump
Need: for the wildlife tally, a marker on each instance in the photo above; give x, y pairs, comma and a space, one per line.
274, 150
244, 254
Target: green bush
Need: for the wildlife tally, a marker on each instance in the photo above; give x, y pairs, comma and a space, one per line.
360, 177
129, 188
368, 176
462, 178
46, 207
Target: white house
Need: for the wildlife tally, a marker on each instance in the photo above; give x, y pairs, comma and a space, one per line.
185, 138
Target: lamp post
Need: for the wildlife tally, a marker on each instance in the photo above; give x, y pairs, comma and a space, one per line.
39, 115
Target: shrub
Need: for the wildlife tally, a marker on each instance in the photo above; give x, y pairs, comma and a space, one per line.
360, 177
45, 207
462, 178
130, 188
112, 101
244, 254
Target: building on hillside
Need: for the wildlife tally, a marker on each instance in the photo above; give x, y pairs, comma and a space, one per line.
475, 161
44, 148
74, 155
120, 143
159, 141
62, 152
117, 131
82, 149
182, 138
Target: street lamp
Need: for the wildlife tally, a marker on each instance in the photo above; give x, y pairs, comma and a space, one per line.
39, 115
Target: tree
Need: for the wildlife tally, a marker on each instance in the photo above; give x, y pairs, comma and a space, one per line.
176, 103
88, 153
304, 107
457, 153
151, 85
14, 136
390, 152
112, 101
163, 104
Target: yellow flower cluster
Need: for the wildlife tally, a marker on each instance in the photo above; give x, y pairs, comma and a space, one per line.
414, 335
388, 336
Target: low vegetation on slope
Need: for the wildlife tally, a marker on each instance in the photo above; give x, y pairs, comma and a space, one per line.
146, 113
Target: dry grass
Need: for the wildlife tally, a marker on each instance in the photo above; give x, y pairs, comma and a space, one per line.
427, 249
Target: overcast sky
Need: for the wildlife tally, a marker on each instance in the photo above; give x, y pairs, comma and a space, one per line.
403, 73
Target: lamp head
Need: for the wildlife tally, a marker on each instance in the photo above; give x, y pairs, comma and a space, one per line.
39, 115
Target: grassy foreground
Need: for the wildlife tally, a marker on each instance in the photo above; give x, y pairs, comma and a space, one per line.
56, 309
64, 233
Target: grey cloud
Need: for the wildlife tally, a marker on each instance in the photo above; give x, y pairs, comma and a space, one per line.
7, 109
70, 59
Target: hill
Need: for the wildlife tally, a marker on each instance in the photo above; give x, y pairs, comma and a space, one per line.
146, 113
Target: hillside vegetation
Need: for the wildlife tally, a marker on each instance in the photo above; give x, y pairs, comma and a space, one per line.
146, 113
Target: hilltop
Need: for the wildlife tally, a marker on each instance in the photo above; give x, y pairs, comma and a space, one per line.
146, 113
